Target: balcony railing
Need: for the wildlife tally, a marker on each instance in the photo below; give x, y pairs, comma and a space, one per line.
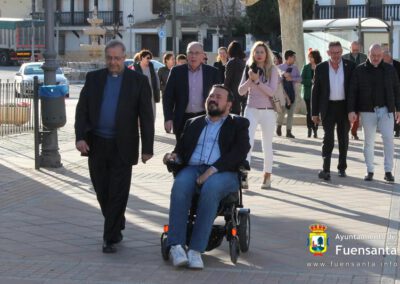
385, 12
80, 18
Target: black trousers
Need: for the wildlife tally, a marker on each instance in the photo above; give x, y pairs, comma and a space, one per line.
111, 178
310, 123
336, 115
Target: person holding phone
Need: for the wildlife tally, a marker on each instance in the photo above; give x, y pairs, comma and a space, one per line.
260, 81
290, 77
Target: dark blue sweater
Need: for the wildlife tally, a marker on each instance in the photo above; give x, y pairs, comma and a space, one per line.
106, 124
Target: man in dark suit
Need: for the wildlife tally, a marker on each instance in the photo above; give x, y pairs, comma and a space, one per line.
211, 148
106, 126
357, 57
328, 98
187, 88
387, 57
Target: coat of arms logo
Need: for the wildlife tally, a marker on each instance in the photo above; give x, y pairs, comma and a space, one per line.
318, 240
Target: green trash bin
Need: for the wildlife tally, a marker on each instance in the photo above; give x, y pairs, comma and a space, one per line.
52, 98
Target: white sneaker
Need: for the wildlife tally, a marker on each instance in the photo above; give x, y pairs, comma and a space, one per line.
195, 260
266, 184
178, 256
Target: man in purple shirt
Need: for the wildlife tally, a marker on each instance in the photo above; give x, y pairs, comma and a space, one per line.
187, 88
291, 76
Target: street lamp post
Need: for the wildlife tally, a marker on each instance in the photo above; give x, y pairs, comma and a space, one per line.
131, 21
33, 32
50, 157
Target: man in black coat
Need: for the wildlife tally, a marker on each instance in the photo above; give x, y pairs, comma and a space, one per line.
106, 126
187, 88
375, 94
328, 103
387, 58
211, 149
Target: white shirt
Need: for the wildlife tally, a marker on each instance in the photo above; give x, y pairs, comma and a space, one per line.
336, 82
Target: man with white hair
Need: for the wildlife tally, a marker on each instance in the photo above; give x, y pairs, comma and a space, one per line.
187, 88
375, 94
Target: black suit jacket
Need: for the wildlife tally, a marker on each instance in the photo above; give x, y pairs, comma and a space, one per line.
176, 96
321, 88
134, 103
396, 65
233, 75
233, 141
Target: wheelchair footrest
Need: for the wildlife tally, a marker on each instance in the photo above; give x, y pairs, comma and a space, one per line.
216, 237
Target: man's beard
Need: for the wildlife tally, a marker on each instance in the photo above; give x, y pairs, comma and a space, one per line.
215, 111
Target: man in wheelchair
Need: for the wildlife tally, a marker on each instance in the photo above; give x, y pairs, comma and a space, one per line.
211, 149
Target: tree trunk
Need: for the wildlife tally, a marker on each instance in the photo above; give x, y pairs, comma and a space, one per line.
292, 28
291, 17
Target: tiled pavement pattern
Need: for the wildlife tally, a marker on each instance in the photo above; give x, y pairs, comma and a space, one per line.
51, 226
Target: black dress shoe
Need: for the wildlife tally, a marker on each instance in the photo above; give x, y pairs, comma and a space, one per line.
389, 177
342, 173
369, 177
279, 130
118, 239
109, 247
324, 175
355, 137
309, 132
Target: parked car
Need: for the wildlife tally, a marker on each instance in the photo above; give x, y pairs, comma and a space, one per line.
157, 64
24, 79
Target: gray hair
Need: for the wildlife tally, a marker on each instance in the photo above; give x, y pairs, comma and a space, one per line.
114, 43
193, 43
374, 46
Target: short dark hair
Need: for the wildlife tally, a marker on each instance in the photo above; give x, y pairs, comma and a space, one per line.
288, 53
231, 98
334, 43
167, 56
235, 50
114, 43
181, 57
145, 52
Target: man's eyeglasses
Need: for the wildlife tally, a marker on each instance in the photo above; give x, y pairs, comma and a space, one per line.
192, 53
115, 58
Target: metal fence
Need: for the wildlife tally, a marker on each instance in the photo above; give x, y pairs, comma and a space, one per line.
16, 108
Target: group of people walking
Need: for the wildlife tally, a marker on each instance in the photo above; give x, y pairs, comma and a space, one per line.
214, 113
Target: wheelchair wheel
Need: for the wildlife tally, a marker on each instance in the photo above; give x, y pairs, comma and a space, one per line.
244, 231
234, 249
164, 247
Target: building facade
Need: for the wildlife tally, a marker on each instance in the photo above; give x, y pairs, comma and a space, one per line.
386, 10
138, 23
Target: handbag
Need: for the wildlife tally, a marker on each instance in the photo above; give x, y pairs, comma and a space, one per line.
278, 99
276, 103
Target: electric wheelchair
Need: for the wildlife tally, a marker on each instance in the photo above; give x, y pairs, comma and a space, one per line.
236, 229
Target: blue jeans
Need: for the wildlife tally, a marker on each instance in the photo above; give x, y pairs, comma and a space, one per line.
216, 187
382, 119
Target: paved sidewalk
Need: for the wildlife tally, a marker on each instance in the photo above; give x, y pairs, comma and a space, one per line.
51, 225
